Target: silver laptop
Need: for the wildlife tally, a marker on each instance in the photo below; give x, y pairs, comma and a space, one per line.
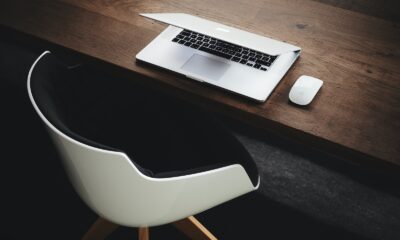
216, 54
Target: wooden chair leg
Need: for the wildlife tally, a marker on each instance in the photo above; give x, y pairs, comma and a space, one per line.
144, 233
100, 230
192, 228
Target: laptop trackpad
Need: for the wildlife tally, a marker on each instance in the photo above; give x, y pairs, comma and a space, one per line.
205, 67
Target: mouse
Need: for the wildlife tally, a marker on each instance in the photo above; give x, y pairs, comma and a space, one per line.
304, 90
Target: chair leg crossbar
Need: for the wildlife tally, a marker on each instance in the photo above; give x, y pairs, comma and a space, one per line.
190, 226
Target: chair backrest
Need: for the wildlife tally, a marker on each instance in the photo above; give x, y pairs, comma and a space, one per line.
108, 181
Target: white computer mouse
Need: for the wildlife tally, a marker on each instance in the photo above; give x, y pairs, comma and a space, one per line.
304, 90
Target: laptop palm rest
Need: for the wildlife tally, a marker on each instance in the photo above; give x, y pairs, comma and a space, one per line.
205, 67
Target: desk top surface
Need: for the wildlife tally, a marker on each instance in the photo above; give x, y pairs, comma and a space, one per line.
355, 115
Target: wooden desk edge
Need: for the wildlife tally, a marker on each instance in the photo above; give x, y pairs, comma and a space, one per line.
298, 137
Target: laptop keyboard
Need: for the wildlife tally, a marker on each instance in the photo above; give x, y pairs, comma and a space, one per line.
224, 49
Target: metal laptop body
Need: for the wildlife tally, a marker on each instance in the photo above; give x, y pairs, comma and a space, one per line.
241, 78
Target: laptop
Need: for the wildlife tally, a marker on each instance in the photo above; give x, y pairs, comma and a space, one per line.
229, 58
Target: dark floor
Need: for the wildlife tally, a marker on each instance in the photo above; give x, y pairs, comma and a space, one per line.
326, 189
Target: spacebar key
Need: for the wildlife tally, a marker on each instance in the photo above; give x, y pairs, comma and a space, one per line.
219, 54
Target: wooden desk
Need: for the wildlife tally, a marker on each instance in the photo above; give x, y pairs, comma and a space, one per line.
355, 116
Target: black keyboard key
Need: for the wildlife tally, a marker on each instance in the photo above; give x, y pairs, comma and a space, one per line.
206, 44
220, 54
257, 65
232, 53
249, 64
180, 36
245, 57
206, 40
235, 59
266, 59
225, 50
272, 59
218, 48
186, 38
263, 68
252, 59
245, 52
192, 40
251, 54
212, 47
263, 62
238, 55
213, 42
188, 44
181, 41
196, 46
175, 39
199, 42
258, 56
184, 33
199, 38
243, 61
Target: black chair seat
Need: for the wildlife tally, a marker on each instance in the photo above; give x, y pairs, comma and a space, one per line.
163, 137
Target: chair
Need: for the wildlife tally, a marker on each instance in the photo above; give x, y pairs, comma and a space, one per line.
116, 184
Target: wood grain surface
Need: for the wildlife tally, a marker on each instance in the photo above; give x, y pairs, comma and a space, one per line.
356, 114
